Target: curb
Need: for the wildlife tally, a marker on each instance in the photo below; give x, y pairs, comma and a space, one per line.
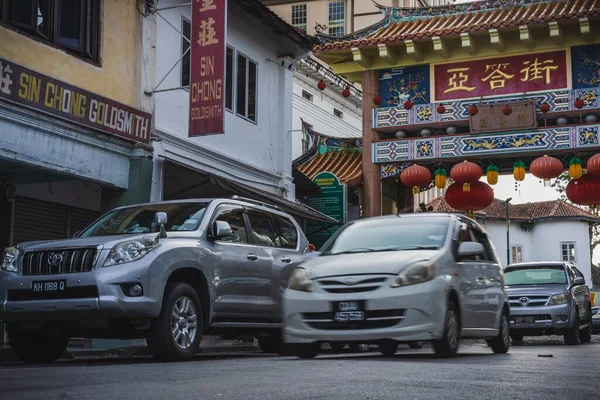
7, 356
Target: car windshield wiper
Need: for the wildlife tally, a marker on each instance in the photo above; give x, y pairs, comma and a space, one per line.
357, 250
393, 248
416, 247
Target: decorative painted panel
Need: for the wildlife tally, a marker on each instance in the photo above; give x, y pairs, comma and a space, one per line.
559, 101
398, 85
585, 66
459, 146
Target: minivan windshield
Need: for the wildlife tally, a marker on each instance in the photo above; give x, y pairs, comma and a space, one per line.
390, 234
140, 219
535, 275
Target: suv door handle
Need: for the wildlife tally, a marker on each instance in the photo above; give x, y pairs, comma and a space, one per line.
252, 257
286, 259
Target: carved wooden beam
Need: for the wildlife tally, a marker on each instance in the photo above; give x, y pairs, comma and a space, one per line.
413, 50
526, 36
359, 57
556, 33
440, 47
586, 29
497, 40
388, 53
468, 43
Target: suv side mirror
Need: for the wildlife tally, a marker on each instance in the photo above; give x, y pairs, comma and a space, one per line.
221, 229
579, 281
161, 219
468, 249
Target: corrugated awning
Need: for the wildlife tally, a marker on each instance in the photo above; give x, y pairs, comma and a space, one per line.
347, 166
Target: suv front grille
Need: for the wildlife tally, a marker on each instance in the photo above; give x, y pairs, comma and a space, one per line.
81, 292
58, 261
374, 319
352, 283
536, 300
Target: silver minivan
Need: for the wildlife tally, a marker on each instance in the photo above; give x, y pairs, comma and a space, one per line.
396, 279
167, 272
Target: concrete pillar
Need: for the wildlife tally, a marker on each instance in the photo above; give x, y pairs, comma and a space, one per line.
371, 171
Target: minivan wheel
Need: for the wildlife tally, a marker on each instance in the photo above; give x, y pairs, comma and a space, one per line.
501, 343
447, 346
388, 348
516, 337
572, 335
266, 345
176, 333
37, 346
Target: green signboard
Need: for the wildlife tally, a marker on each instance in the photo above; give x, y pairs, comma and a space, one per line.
331, 202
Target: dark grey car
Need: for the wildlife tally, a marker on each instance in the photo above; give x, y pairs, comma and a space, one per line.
167, 272
548, 298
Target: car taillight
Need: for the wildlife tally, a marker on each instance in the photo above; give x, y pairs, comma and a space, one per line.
311, 247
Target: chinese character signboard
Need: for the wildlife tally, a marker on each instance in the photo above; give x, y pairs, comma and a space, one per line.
501, 76
490, 118
331, 202
207, 70
40, 92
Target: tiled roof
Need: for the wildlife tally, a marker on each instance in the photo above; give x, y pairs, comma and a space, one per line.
538, 211
403, 23
347, 166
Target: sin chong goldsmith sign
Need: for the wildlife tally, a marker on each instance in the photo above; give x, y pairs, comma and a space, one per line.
207, 67
32, 89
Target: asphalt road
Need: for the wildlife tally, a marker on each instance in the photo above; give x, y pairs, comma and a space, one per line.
572, 372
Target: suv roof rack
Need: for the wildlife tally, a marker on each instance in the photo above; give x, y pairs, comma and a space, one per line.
260, 203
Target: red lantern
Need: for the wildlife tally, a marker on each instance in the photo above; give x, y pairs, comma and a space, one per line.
579, 103
408, 104
321, 85
593, 164
466, 173
545, 107
584, 191
441, 109
546, 167
346, 92
377, 100
480, 196
473, 110
507, 110
415, 176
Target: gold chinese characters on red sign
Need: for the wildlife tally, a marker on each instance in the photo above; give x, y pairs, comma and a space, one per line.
501, 76
504, 117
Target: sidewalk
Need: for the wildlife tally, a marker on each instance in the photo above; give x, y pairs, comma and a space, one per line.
210, 344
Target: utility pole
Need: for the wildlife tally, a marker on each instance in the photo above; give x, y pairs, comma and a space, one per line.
506, 203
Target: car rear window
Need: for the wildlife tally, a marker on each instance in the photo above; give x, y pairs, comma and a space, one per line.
535, 275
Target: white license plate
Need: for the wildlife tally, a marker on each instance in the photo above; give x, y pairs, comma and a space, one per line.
527, 319
49, 286
349, 316
349, 310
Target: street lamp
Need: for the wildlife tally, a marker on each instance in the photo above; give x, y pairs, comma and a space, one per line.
506, 202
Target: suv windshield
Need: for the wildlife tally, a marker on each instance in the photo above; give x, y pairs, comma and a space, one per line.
140, 219
535, 275
388, 235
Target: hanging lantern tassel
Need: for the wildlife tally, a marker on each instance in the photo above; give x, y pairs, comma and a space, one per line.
466, 187
415, 190
470, 214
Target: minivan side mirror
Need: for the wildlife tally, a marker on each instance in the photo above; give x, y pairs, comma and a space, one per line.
469, 249
161, 219
221, 229
579, 281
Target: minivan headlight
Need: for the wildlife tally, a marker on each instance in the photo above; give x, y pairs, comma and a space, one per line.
558, 299
9, 259
299, 280
129, 251
416, 273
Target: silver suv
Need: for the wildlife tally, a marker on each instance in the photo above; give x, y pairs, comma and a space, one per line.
167, 272
548, 298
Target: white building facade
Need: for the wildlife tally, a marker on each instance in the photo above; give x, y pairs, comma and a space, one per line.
255, 150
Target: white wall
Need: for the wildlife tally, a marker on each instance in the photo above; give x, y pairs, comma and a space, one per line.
319, 112
543, 243
265, 145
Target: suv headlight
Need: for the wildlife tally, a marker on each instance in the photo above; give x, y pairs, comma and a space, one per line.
9, 259
416, 273
559, 299
299, 280
129, 251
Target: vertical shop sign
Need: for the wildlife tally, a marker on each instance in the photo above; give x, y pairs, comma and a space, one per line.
207, 74
331, 202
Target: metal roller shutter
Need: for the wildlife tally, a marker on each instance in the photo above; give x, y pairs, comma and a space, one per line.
81, 219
